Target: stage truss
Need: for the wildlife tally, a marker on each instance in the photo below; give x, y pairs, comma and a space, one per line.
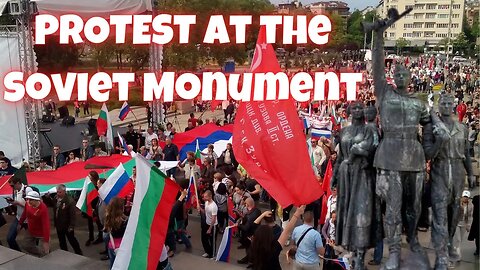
156, 57
23, 12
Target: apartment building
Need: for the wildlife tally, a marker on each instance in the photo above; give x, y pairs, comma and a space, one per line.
429, 22
330, 7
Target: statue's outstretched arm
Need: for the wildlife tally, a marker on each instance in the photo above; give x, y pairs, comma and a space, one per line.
378, 66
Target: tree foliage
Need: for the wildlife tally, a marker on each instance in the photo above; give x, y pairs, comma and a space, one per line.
53, 57
189, 56
401, 43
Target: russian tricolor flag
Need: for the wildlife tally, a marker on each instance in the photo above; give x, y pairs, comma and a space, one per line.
200, 137
317, 133
223, 254
118, 184
124, 111
123, 144
191, 199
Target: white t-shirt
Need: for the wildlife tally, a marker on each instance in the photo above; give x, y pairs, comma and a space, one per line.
164, 254
331, 205
211, 210
148, 139
18, 196
215, 186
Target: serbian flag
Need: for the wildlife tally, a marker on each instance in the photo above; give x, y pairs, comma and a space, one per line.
223, 254
123, 144
118, 184
124, 111
147, 226
191, 199
326, 190
231, 215
200, 137
88, 194
104, 125
262, 153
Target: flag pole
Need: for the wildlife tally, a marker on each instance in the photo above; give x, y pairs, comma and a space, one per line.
12, 176
196, 191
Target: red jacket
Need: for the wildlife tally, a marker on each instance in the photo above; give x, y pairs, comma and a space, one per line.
38, 221
461, 111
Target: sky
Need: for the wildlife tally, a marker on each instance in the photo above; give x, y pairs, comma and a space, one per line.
353, 4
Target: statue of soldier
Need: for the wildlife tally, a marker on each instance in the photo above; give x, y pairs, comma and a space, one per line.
399, 159
450, 159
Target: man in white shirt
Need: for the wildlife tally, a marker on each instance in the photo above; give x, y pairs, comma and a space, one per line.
331, 203
19, 202
318, 156
209, 222
149, 136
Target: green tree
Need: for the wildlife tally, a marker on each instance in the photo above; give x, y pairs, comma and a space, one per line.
400, 44
53, 57
102, 54
338, 33
218, 52
137, 56
461, 44
354, 29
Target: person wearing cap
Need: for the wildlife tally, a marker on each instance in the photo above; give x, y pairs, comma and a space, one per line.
43, 166
132, 137
465, 216
99, 152
38, 224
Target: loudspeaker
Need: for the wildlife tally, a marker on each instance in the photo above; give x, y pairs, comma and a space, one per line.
48, 118
68, 121
63, 111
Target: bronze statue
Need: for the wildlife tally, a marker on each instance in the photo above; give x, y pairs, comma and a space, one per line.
446, 145
354, 178
400, 158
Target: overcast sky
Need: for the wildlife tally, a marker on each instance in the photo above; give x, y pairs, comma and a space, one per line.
353, 4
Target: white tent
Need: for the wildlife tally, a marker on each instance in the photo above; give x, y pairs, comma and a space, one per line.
13, 139
89, 8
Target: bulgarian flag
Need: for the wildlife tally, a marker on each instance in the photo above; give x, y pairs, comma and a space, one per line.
88, 194
104, 126
144, 237
198, 155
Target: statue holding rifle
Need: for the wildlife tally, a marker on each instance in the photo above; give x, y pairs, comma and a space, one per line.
400, 158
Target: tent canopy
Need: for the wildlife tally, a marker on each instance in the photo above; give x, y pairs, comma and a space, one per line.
88, 8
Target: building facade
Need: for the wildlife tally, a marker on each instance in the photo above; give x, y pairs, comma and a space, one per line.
330, 7
430, 21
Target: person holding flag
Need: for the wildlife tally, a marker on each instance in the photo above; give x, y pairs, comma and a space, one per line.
104, 126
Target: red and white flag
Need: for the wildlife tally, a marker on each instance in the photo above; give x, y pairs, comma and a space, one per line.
269, 142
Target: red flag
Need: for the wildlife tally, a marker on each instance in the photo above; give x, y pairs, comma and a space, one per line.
326, 190
266, 133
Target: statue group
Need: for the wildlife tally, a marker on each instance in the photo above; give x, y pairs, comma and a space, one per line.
389, 165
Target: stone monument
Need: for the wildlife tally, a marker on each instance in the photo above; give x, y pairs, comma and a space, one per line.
400, 158
446, 145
